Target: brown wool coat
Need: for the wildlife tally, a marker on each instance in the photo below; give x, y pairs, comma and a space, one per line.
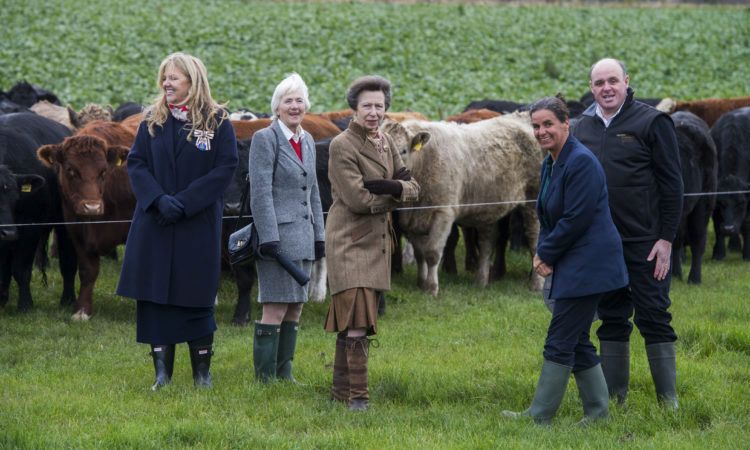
358, 230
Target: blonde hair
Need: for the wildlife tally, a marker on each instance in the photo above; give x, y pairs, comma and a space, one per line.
290, 84
202, 109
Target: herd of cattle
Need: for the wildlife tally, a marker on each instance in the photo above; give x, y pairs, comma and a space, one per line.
66, 171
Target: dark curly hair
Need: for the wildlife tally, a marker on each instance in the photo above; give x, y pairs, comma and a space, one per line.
555, 104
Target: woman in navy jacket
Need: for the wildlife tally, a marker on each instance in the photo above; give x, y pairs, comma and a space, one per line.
580, 248
182, 160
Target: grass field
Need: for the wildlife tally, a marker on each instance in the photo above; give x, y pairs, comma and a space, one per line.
445, 367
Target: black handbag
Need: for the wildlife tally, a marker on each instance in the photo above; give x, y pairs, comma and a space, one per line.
243, 243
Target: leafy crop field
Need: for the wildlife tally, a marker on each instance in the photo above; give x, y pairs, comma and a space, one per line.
439, 57
445, 367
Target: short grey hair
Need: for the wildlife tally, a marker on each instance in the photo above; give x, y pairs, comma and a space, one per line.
292, 83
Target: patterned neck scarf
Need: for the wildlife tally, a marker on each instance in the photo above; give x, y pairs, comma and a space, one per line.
179, 112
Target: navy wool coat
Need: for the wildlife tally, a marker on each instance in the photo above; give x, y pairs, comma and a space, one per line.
577, 236
177, 264
285, 206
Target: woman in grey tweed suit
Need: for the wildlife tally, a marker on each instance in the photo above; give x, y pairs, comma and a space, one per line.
286, 209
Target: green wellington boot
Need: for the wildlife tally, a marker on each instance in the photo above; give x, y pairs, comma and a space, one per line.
615, 357
285, 354
549, 394
592, 388
265, 349
663, 363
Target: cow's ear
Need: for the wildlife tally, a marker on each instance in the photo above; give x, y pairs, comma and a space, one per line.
73, 116
28, 183
419, 140
50, 155
117, 155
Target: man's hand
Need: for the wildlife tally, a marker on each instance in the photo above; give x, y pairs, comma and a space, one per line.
663, 252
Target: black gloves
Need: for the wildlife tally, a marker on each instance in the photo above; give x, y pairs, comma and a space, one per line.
320, 250
269, 250
402, 174
170, 210
380, 187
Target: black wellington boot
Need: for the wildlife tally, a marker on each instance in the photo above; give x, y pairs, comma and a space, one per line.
200, 360
163, 356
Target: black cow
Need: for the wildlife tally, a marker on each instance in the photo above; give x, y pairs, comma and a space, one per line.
126, 110
699, 171
731, 133
244, 276
32, 197
26, 94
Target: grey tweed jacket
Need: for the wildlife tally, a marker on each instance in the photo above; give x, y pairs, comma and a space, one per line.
285, 206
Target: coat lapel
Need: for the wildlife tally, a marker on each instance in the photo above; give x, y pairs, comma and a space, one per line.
368, 148
285, 147
183, 144
166, 139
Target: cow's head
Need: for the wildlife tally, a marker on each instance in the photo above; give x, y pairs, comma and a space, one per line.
406, 137
82, 163
14, 187
732, 207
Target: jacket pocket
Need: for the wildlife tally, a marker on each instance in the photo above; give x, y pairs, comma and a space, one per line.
284, 217
361, 231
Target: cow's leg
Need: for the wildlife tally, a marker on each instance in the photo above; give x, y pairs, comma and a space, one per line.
486, 238
678, 247
21, 267
531, 227
68, 261
88, 271
499, 268
433, 250
318, 281
421, 265
472, 248
745, 232
5, 261
244, 279
396, 262
696, 232
449, 252
719, 252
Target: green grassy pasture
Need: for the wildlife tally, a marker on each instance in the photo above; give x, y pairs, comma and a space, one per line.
439, 57
445, 367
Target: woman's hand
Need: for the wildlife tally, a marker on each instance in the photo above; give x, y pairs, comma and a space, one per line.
384, 187
541, 268
320, 250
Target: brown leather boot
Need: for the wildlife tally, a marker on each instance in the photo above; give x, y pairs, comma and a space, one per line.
340, 388
357, 350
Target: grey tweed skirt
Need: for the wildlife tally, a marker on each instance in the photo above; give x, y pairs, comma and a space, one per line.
275, 285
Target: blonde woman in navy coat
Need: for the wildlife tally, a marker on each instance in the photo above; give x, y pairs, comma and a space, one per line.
182, 160
580, 248
285, 204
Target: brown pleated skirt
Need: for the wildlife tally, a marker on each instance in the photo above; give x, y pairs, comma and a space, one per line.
353, 308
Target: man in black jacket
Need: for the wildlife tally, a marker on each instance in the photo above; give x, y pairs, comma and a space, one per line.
637, 146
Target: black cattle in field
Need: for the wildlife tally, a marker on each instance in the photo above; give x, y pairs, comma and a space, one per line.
501, 106
7, 106
26, 94
126, 110
699, 171
244, 276
29, 194
731, 133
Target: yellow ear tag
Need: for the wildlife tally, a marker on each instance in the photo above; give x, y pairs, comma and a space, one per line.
417, 147
26, 187
119, 161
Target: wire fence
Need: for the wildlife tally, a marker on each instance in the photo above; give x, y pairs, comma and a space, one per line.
406, 208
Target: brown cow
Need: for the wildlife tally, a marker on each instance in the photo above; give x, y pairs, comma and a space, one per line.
318, 126
94, 188
709, 109
472, 115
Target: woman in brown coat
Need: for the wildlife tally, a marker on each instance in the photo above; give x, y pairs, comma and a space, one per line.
368, 180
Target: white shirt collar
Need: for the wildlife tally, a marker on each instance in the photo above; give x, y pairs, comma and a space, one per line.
288, 134
601, 115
